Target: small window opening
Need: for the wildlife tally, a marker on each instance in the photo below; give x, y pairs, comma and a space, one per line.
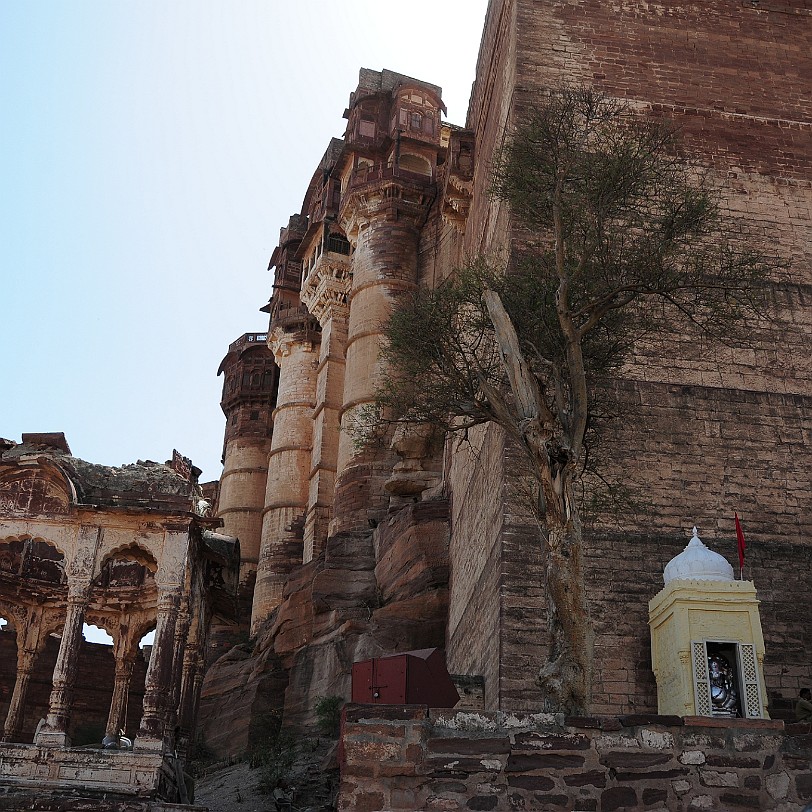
338, 244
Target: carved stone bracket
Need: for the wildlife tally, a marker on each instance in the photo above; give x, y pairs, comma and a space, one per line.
457, 202
282, 342
324, 291
459, 179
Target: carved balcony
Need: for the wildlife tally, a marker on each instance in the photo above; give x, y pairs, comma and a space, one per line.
327, 284
293, 319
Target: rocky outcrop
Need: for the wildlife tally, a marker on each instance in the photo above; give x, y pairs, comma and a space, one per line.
368, 594
241, 698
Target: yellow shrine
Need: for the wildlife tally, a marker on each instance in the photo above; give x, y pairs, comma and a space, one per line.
707, 648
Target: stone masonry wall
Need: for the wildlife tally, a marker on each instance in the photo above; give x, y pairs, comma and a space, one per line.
410, 758
475, 559
705, 430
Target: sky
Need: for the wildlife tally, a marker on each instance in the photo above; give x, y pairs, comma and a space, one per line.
149, 154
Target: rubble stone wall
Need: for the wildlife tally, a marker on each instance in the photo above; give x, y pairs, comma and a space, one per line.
408, 758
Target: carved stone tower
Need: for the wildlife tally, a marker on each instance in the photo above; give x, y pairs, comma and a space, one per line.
294, 340
388, 182
340, 266
249, 391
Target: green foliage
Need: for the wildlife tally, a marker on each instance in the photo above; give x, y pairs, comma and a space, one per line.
328, 715
613, 210
620, 239
273, 752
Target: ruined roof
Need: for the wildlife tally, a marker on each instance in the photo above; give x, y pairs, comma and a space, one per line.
144, 484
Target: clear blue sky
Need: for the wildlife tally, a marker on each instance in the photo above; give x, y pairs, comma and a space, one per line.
149, 153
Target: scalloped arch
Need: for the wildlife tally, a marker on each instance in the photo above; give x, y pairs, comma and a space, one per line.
12, 612
146, 557
27, 536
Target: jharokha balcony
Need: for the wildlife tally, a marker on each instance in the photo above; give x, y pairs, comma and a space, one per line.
294, 318
326, 276
411, 170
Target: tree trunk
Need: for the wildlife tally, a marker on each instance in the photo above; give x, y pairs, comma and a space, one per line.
566, 677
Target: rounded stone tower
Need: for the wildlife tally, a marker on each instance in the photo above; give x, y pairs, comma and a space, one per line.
251, 379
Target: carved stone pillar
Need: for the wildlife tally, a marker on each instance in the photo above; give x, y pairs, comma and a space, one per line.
158, 680
14, 717
324, 293
193, 663
80, 572
295, 346
181, 635
55, 731
29, 645
384, 222
124, 651
116, 719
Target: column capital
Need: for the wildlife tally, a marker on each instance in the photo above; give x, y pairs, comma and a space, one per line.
283, 341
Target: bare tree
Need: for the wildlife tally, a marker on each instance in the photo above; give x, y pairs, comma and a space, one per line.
617, 236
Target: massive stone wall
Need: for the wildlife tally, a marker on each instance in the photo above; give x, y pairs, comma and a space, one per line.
475, 558
704, 430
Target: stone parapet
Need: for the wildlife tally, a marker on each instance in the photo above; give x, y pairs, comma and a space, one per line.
410, 757
51, 770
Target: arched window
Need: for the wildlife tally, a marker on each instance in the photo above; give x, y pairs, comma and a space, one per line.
414, 163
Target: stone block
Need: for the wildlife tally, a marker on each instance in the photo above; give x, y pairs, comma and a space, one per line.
618, 798
593, 778
526, 762
777, 785
530, 782
714, 778
467, 746
552, 742
732, 800
634, 759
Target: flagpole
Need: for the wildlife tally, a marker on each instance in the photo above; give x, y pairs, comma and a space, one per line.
740, 544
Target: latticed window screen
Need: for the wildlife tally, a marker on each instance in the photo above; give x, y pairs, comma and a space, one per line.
702, 694
748, 672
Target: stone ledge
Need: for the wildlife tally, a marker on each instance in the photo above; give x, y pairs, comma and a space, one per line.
361, 713
746, 724
644, 719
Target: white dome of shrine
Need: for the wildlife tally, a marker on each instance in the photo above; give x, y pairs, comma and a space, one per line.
697, 563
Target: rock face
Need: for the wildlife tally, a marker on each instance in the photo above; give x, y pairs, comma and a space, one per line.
240, 700
367, 594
